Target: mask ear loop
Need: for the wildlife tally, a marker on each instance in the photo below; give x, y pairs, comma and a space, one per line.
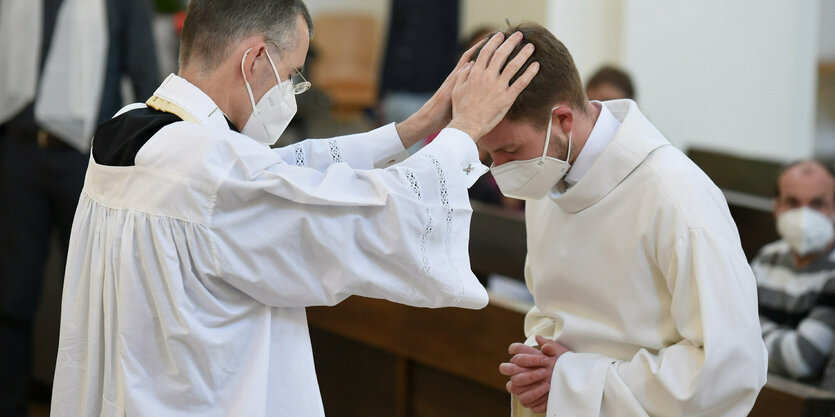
248, 88
548, 138
272, 64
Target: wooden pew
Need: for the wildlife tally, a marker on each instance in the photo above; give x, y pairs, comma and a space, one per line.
783, 397
423, 362
378, 358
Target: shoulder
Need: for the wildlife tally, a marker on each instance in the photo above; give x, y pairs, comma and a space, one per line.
686, 188
117, 141
203, 147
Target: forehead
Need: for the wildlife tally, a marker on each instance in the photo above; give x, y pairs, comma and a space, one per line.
807, 179
298, 53
508, 132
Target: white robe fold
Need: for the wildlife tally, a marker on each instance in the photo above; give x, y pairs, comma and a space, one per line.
188, 273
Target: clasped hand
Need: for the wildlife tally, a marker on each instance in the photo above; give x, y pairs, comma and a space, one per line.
530, 371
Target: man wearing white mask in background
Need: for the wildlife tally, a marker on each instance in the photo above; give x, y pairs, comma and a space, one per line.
195, 248
644, 302
796, 275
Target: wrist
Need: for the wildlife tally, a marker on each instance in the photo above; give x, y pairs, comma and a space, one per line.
472, 129
413, 129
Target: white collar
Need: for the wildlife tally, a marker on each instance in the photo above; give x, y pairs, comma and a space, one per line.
603, 132
192, 100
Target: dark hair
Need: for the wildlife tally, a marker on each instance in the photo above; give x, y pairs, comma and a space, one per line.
613, 76
557, 80
211, 27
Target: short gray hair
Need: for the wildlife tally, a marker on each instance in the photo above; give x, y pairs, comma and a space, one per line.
213, 26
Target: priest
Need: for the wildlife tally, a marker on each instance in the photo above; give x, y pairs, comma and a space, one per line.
195, 247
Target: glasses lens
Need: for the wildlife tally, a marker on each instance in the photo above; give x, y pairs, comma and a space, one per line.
300, 85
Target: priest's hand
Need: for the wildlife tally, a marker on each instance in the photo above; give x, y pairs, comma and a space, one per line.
483, 93
436, 113
530, 371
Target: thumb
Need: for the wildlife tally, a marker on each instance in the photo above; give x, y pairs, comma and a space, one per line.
464, 72
547, 346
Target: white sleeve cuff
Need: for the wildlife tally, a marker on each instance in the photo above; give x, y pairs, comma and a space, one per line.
390, 148
457, 144
577, 385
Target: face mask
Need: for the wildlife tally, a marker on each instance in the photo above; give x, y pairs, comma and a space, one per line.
273, 112
807, 231
533, 178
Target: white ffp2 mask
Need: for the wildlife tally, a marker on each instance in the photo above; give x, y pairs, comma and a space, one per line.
532, 179
273, 112
807, 231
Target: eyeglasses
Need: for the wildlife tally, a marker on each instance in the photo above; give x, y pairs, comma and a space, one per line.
297, 80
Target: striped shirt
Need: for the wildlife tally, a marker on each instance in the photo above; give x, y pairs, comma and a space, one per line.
797, 310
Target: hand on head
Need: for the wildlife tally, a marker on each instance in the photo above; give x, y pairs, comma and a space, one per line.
483, 93
530, 371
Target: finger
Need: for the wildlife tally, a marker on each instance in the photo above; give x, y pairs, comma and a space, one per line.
517, 390
523, 80
467, 56
531, 361
465, 59
543, 400
510, 387
550, 347
509, 369
500, 57
516, 63
533, 394
487, 52
463, 74
523, 379
517, 348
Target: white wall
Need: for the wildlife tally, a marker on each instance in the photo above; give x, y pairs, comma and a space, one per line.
825, 123
478, 13
591, 29
738, 77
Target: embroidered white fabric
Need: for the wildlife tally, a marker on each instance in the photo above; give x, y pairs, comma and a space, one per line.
413, 182
445, 204
299, 151
427, 230
336, 155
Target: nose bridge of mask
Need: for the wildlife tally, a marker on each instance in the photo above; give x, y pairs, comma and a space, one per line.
246, 82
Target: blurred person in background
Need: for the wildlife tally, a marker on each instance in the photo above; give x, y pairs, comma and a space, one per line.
610, 83
62, 66
796, 274
644, 301
421, 49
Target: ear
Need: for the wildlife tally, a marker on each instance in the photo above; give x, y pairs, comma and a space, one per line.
564, 117
251, 51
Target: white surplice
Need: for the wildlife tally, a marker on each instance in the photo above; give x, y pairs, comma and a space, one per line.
188, 273
638, 269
